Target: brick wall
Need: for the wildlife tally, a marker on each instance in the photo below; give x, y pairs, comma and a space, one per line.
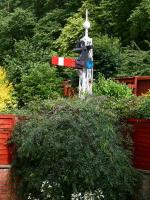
5, 186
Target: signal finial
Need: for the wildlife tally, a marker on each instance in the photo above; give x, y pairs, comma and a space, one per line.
86, 24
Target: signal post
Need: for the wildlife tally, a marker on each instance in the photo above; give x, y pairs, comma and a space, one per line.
84, 63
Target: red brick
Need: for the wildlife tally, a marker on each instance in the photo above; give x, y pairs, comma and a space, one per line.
6, 185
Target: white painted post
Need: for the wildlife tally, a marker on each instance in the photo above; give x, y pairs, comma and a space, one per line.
86, 74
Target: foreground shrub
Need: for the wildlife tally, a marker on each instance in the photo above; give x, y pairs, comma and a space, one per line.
134, 107
141, 107
72, 147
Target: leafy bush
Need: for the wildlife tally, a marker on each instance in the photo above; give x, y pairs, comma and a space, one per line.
133, 107
146, 94
40, 83
107, 55
31, 74
141, 107
111, 88
72, 147
6, 91
26, 56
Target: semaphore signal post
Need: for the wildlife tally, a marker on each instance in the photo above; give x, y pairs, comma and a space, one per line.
84, 64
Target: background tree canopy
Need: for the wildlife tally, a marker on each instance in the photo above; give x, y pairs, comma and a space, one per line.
32, 31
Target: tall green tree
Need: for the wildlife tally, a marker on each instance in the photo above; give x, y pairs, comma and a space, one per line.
107, 55
112, 17
140, 25
134, 63
48, 28
15, 26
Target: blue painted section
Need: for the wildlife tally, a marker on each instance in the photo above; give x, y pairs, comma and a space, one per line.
89, 64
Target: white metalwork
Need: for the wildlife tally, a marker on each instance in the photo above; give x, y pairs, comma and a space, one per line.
85, 74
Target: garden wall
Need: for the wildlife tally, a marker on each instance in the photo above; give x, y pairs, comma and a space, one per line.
141, 143
138, 84
7, 123
141, 154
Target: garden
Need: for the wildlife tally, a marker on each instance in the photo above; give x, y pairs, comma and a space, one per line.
71, 148
78, 149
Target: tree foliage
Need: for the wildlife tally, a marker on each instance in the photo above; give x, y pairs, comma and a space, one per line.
134, 63
140, 24
32, 76
107, 55
70, 33
14, 27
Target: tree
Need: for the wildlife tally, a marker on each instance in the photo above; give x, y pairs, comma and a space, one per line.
140, 24
10, 5
28, 69
15, 26
107, 55
70, 34
113, 17
26, 56
134, 63
48, 28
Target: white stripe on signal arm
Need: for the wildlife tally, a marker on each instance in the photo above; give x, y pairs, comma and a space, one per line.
61, 61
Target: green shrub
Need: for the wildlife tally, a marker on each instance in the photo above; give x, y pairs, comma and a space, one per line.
41, 82
72, 147
132, 107
30, 73
141, 107
107, 55
111, 88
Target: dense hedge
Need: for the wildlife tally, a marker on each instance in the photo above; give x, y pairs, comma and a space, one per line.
72, 147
